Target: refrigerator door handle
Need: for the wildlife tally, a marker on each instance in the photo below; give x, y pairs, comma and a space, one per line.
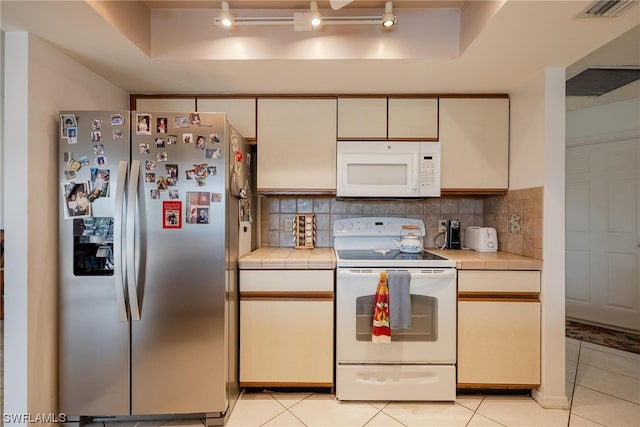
132, 270
119, 265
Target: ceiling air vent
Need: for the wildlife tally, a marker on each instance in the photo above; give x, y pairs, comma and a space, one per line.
598, 81
607, 8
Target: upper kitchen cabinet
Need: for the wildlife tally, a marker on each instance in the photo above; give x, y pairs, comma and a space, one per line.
163, 104
474, 135
241, 112
388, 118
297, 145
413, 119
362, 118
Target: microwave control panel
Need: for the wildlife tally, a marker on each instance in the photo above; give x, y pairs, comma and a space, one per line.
429, 169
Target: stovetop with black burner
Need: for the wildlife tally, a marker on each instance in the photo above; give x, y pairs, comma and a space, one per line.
390, 258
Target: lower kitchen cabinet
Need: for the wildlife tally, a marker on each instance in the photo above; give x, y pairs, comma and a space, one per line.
498, 329
286, 328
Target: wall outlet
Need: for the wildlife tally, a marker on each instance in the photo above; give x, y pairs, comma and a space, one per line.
442, 225
288, 224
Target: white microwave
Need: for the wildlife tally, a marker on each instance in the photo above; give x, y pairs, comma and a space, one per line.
388, 169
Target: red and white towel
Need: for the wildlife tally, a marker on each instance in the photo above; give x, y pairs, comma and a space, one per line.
381, 330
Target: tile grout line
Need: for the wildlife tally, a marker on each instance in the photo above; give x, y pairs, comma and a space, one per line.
381, 410
609, 395
475, 411
286, 410
575, 379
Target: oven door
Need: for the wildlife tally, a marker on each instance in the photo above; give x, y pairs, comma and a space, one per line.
432, 335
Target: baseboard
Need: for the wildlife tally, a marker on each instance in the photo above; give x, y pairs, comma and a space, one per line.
551, 402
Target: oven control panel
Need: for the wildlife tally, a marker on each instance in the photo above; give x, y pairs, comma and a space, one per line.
378, 226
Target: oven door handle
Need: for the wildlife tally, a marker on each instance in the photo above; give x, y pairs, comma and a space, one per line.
449, 273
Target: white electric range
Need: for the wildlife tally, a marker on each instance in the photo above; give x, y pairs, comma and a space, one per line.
419, 362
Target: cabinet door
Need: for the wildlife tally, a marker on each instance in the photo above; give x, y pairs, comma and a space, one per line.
286, 342
297, 145
498, 343
241, 112
362, 118
413, 118
474, 133
166, 104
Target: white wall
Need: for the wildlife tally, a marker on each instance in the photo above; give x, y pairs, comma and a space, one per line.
537, 159
610, 122
526, 153
15, 148
39, 81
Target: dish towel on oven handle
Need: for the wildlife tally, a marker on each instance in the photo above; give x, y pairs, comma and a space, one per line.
399, 283
381, 330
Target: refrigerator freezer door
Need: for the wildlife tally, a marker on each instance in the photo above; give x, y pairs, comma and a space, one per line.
94, 341
178, 345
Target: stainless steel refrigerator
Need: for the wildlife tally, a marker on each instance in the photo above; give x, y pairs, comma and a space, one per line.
151, 208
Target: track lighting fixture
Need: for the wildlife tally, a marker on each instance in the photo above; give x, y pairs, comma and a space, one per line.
388, 19
226, 19
316, 19
306, 21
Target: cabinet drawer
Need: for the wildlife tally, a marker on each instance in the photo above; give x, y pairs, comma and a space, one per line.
498, 281
286, 280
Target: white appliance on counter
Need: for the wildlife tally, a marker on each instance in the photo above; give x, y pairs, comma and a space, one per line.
420, 362
388, 169
481, 239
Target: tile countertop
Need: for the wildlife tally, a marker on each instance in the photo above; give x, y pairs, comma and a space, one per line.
467, 259
280, 258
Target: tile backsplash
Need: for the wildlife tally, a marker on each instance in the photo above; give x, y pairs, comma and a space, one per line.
516, 215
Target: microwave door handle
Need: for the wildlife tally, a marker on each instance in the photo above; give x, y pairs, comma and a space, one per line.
416, 171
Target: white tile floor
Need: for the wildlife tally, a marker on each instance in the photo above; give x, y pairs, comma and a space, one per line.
602, 383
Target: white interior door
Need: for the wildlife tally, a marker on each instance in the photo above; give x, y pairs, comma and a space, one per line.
602, 233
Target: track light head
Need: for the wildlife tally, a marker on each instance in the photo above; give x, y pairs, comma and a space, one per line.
388, 19
316, 18
226, 19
